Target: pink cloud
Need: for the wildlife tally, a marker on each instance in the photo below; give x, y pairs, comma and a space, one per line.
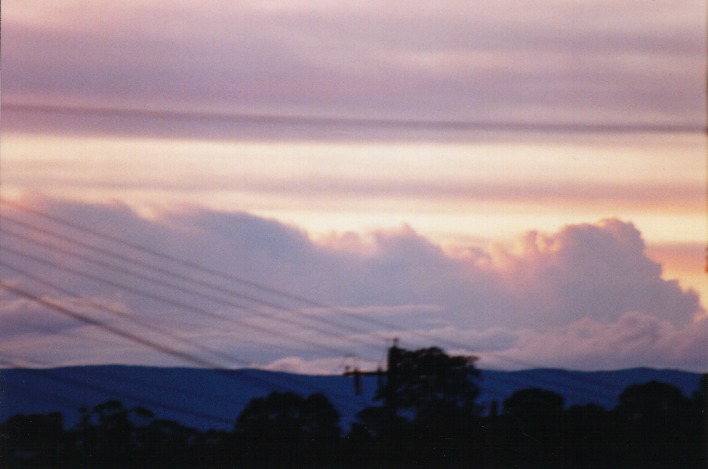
412, 62
587, 288
634, 339
309, 367
596, 270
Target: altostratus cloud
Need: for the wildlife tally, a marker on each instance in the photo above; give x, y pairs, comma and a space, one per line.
583, 61
592, 282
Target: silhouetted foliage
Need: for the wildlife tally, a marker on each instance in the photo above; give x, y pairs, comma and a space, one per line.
653, 426
111, 435
429, 412
34, 439
105, 433
659, 426
652, 400
588, 439
301, 428
379, 435
533, 404
534, 427
427, 382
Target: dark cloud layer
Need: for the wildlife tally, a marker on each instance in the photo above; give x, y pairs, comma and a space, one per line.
586, 289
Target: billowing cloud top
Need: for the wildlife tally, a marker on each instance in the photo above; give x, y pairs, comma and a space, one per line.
588, 62
339, 116
582, 290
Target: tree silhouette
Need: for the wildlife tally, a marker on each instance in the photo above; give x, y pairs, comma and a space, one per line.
35, 439
588, 437
112, 435
105, 433
428, 412
428, 419
534, 427
659, 426
287, 427
427, 381
652, 400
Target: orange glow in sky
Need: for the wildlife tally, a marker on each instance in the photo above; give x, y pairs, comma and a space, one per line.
454, 193
376, 138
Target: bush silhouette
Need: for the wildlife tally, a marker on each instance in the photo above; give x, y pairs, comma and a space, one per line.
34, 438
287, 426
659, 426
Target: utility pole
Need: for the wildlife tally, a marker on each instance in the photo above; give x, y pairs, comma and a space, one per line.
387, 388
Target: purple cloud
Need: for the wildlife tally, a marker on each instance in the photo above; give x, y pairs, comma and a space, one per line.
587, 284
589, 63
599, 271
633, 339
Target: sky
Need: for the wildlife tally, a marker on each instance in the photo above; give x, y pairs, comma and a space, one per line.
291, 185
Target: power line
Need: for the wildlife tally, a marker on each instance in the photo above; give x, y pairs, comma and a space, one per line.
236, 279
198, 361
201, 362
148, 343
112, 329
178, 304
54, 376
198, 267
126, 316
182, 289
545, 381
255, 285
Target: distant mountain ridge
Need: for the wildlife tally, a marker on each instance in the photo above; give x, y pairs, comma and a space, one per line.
205, 398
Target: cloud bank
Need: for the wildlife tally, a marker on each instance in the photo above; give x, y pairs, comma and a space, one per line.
586, 296
583, 62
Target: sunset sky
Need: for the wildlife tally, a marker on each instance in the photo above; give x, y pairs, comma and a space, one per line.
525, 183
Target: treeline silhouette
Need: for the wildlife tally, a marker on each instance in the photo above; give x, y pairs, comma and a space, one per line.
426, 416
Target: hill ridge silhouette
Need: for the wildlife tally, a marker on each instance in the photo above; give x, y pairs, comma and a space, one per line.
205, 398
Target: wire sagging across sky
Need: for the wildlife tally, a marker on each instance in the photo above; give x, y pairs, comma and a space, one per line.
312, 332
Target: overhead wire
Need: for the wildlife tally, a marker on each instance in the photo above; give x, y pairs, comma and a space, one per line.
125, 316
255, 285
184, 289
160, 347
100, 373
55, 376
133, 318
177, 275
427, 336
241, 280
193, 265
281, 382
112, 329
171, 302
124, 287
229, 358
124, 385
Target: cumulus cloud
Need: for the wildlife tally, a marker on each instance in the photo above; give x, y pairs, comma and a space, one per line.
633, 339
268, 291
596, 270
